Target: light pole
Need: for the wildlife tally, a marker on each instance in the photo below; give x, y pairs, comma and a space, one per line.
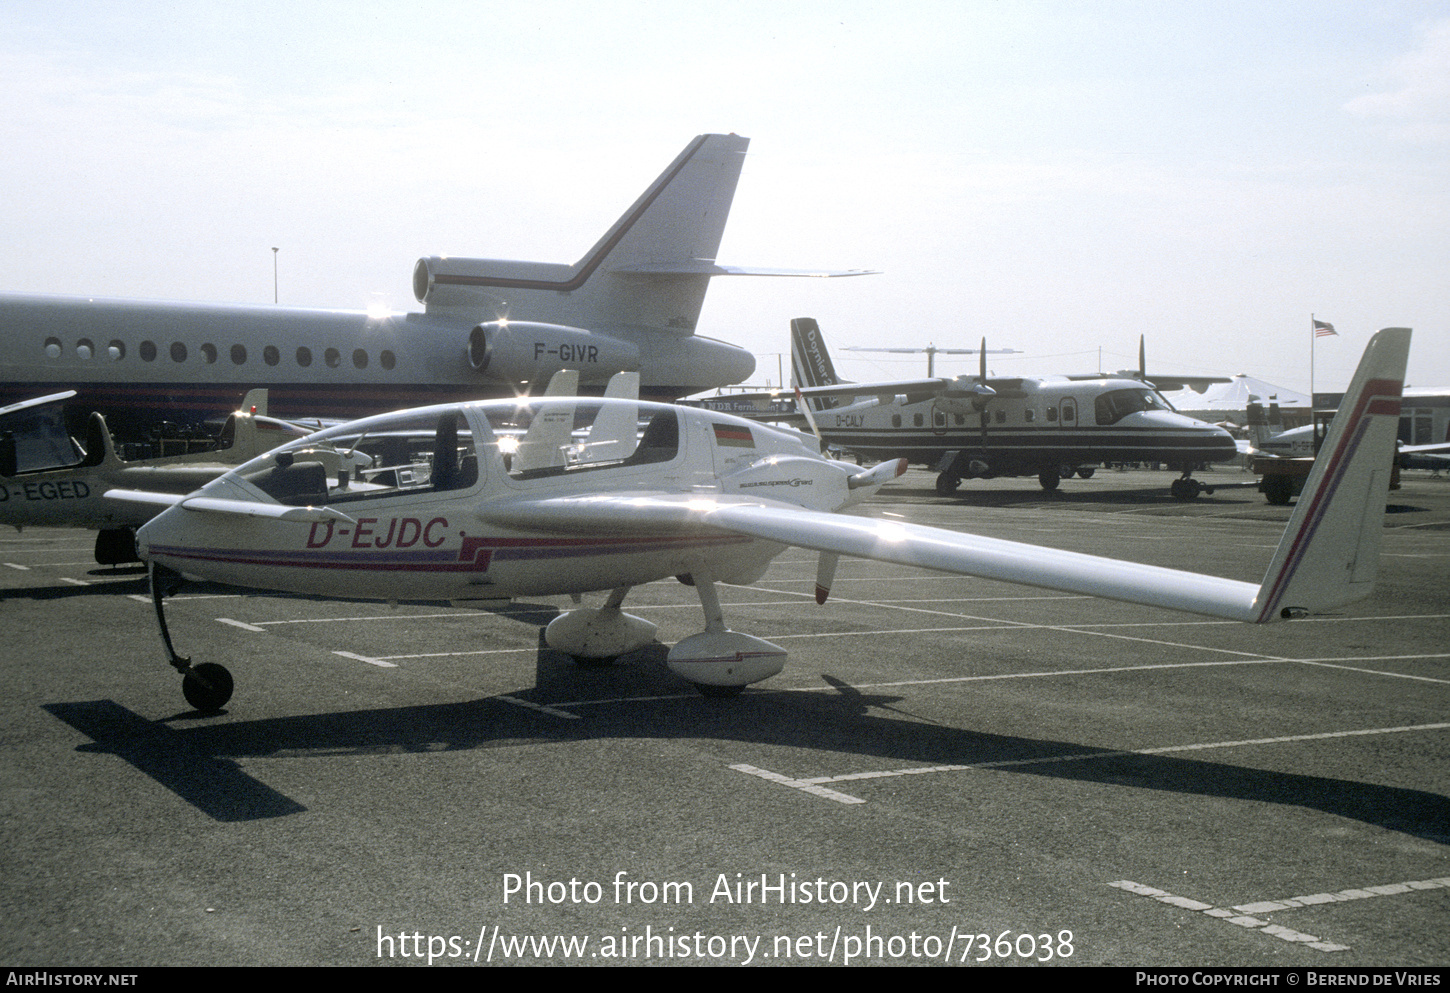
274, 275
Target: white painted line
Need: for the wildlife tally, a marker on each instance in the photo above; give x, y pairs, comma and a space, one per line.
1383, 658
391, 617
363, 658
145, 598
1040, 675
1084, 756
1292, 737
239, 624
451, 655
22, 568
1228, 916
899, 683
1365, 893
797, 784
370, 617
1242, 914
552, 711
74, 582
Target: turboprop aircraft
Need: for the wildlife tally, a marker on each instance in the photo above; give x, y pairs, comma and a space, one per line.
488, 327
980, 427
72, 494
427, 503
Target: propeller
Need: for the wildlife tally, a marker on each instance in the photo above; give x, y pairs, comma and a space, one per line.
825, 574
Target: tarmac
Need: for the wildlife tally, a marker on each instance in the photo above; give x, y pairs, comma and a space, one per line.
948, 771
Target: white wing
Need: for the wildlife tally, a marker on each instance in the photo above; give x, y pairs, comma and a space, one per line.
885, 541
1327, 557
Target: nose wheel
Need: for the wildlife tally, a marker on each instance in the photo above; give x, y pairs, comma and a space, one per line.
208, 686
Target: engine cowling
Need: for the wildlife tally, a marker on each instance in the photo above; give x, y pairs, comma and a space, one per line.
527, 351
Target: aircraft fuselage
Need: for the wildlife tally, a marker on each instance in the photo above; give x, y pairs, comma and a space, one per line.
138, 362
1043, 424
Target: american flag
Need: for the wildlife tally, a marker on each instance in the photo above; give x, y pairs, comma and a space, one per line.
1323, 329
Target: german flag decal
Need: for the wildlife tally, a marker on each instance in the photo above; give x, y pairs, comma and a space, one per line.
731, 436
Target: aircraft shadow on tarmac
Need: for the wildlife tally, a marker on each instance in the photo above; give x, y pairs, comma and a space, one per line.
198, 763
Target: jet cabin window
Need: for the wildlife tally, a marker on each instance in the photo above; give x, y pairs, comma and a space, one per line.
1112, 406
414, 453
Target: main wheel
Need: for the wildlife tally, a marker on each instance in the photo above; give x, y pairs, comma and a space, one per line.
1278, 490
1184, 489
1086, 473
1049, 478
946, 484
207, 687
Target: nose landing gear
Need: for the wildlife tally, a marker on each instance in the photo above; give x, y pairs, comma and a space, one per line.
208, 686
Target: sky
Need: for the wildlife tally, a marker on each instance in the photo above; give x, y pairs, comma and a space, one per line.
1060, 177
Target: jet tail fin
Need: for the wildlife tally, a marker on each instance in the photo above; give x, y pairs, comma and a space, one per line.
649, 270
1329, 554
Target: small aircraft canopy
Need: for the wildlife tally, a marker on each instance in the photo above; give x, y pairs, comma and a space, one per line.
450, 447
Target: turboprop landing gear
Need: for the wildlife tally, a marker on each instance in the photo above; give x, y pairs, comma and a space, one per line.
1049, 478
1188, 488
946, 484
208, 686
721, 662
116, 546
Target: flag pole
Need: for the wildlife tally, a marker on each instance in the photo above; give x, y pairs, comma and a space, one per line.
1312, 336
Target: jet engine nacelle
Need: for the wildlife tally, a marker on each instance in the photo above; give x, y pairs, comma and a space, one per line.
527, 351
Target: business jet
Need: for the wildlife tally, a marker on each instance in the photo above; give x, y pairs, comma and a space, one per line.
983, 427
488, 327
431, 504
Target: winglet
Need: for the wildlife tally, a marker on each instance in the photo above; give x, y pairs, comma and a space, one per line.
1329, 554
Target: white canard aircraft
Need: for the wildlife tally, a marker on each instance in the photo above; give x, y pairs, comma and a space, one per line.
982, 427
432, 504
631, 303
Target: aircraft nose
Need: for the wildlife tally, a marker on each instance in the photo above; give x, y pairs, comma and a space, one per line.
143, 540
153, 532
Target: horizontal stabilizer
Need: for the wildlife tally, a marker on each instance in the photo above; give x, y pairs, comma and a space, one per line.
704, 267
